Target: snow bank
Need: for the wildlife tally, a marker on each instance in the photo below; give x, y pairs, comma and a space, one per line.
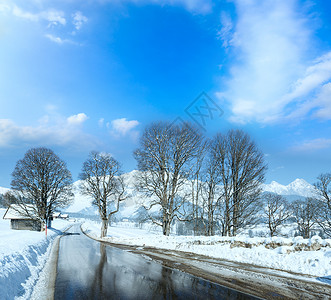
22, 256
304, 256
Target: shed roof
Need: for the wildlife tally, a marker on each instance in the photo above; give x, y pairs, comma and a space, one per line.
15, 211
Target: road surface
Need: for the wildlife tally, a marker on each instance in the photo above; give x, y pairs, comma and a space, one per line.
88, 269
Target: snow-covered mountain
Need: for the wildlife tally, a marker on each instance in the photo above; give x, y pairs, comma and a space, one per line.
82, 203
298, 187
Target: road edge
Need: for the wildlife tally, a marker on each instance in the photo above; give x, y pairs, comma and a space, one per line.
49, 272
190, 267
54, 257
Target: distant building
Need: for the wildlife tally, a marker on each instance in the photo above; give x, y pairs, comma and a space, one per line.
56, 215
64, 216
21, 219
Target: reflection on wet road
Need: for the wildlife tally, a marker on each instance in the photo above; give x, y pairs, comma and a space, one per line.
88, 269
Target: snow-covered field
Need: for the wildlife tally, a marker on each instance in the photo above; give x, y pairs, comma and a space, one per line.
305, 256
23, 254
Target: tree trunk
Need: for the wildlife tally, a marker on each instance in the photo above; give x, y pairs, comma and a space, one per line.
227, 217
104, 228
272, 232
166, 227
306, 233
210, 231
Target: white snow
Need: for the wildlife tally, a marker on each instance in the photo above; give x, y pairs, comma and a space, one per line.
298, 187
288, 254
82, 203
4, 190
18, 212
23, 254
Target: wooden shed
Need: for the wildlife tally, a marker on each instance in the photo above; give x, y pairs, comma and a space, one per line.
20, 220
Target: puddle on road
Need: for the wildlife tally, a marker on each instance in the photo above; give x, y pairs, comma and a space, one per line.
90, 270
70, 233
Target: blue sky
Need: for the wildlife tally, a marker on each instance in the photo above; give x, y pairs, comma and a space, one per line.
86, 75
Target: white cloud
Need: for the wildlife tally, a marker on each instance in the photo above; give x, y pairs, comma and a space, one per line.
60, 41
315, 75
271, 80
54, 17
77, 119
194, 6
78, 20
25, 15
48, 133
323, 102
121, 127
197, 6
4, 7
225, 34
313, 145
55, 39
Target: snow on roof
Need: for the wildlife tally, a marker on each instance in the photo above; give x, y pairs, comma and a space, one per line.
56, 214
15, 211
64, 215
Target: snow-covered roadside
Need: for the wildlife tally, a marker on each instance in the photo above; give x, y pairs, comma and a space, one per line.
289, 254
45, 286
23, 254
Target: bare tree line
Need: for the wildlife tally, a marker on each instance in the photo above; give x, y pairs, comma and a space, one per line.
213, 184
226, 173
42, 184
306, 213
217, 187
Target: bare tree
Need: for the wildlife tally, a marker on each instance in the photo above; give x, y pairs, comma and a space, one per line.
164, 157
242, 170
9, 198
305, 212
212, 192
4, 199
323, 189
42, 180
196, 188
101, 180
276, 211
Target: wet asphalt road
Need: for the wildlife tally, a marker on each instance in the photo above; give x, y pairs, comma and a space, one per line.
88, 269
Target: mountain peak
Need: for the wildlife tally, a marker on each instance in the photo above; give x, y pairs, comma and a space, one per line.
297, 187
299, 180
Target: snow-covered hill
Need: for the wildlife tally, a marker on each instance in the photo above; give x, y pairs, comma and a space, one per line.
298, 187
3, 190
